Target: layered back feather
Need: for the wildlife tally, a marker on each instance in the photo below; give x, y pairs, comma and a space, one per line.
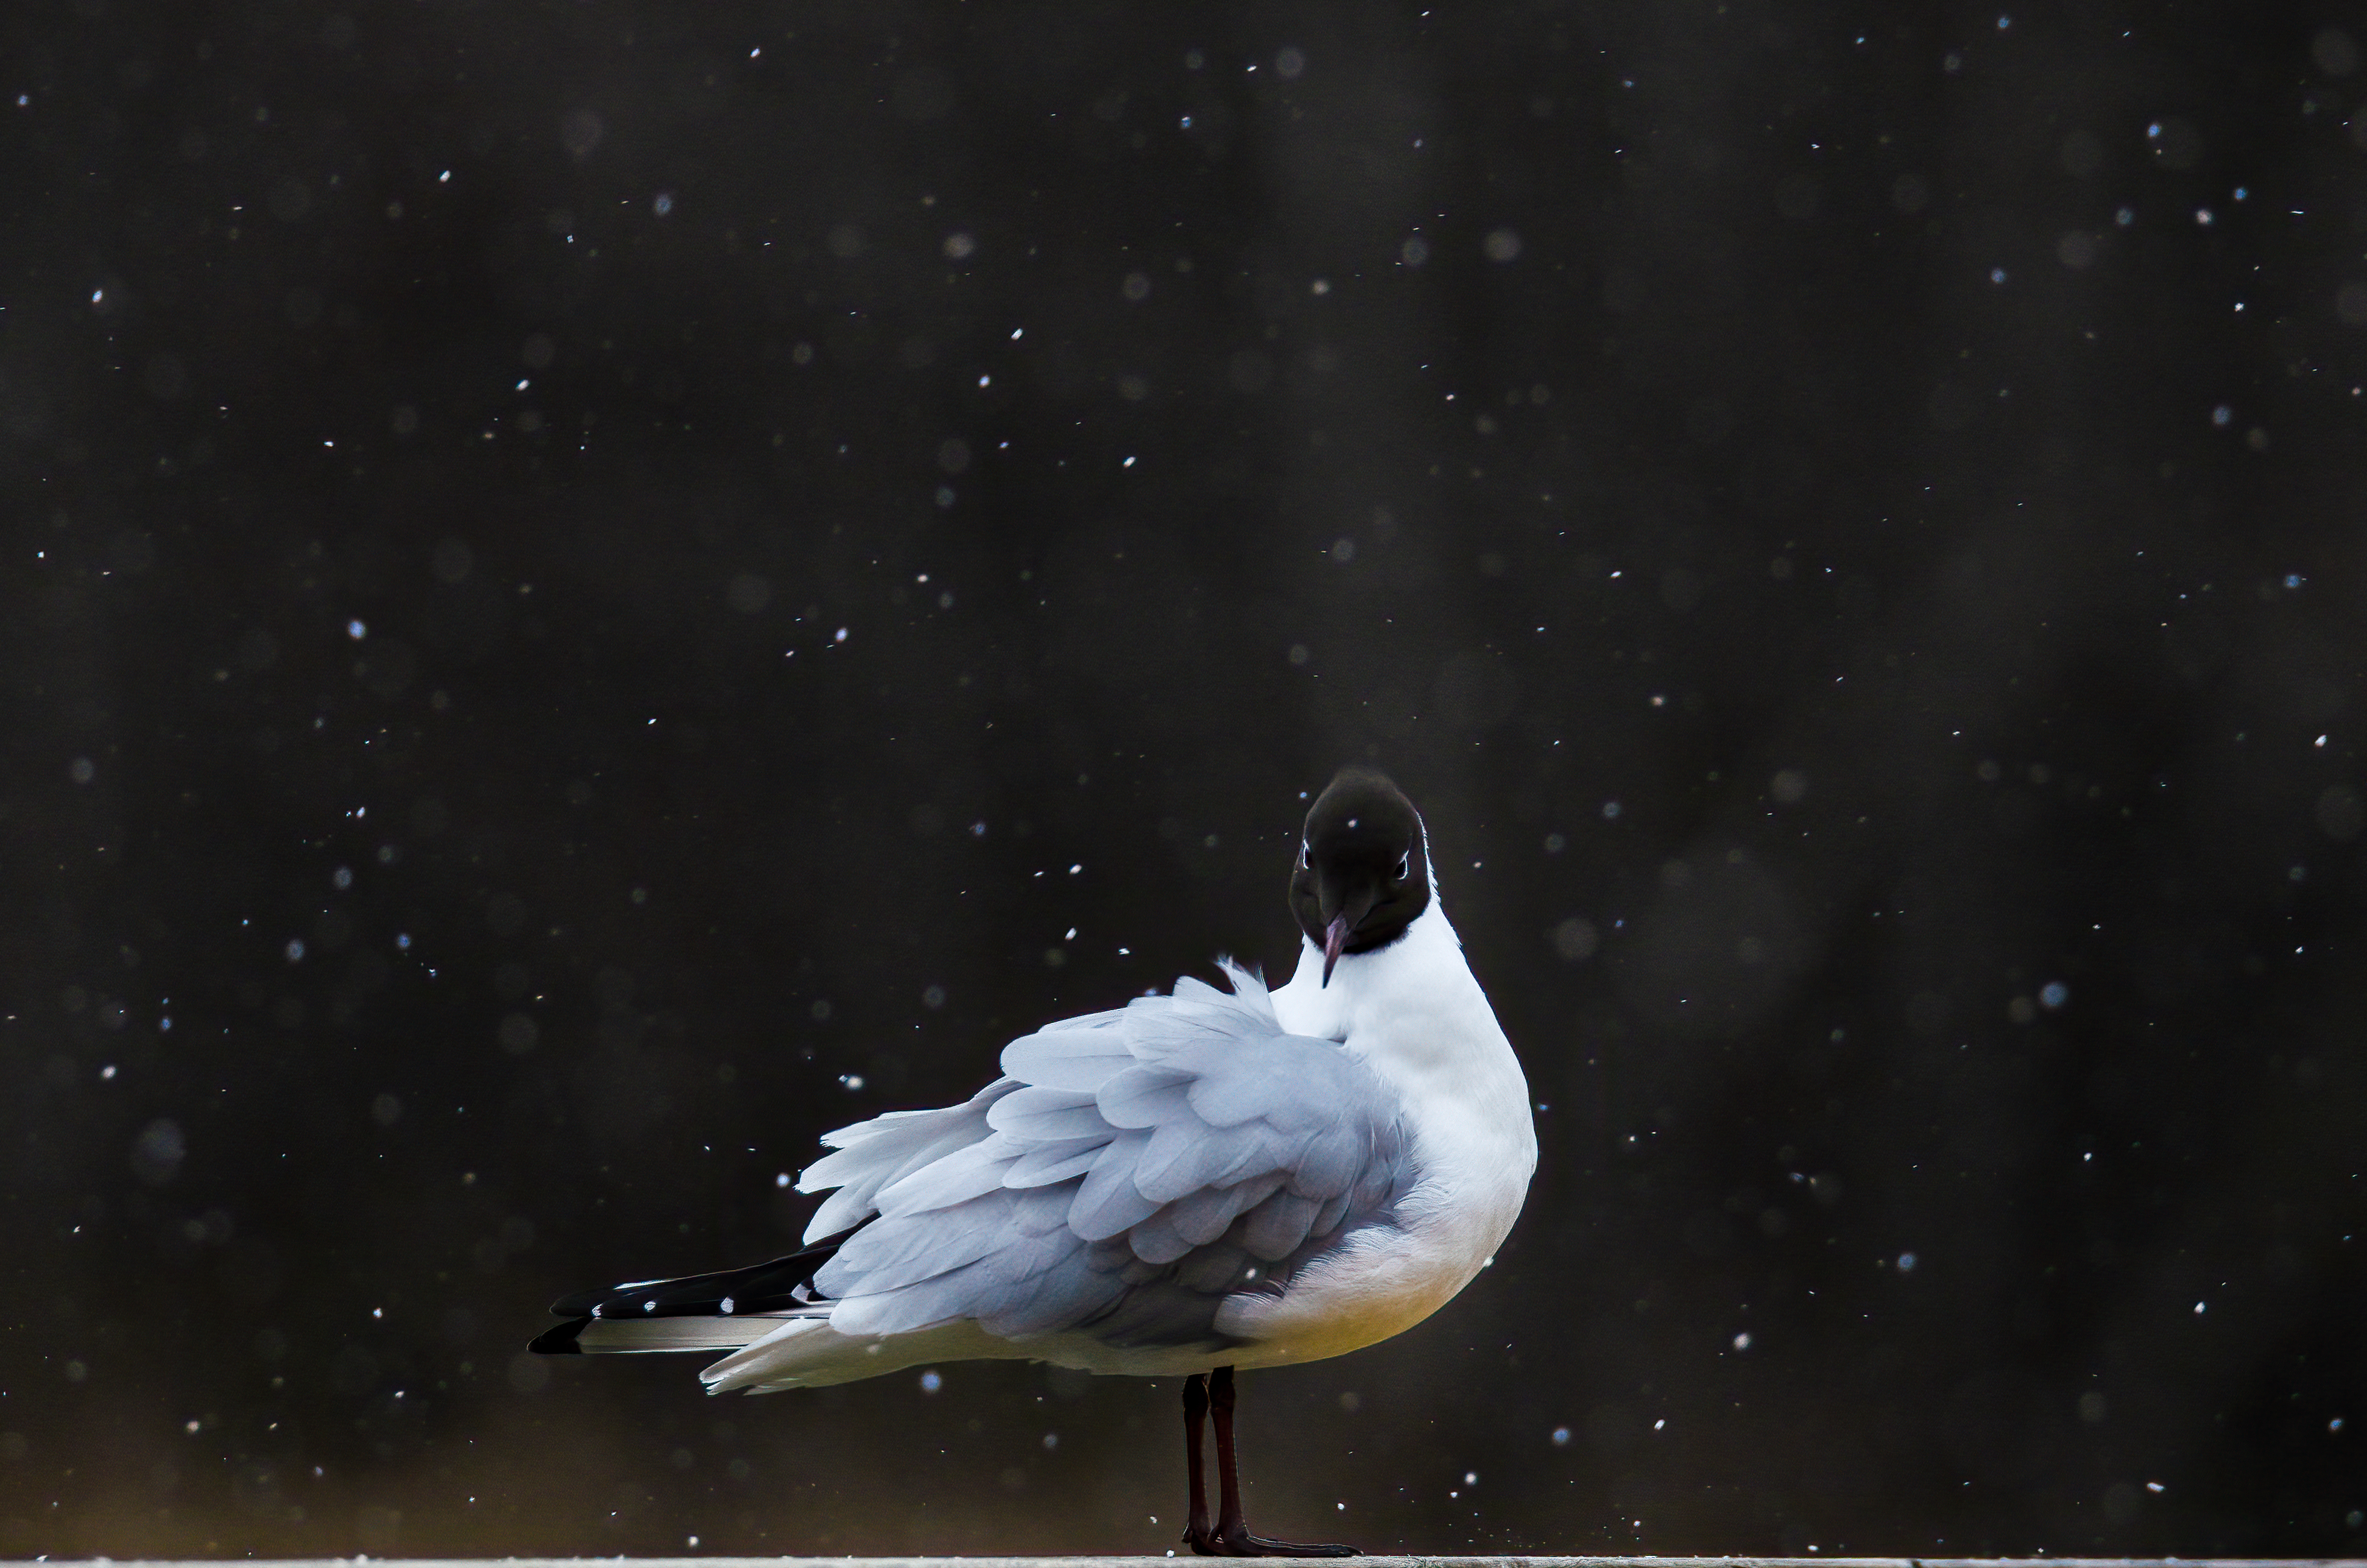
1129, 1170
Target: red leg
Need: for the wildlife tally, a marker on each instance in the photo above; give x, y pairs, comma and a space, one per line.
1233, 1537
1196, 1533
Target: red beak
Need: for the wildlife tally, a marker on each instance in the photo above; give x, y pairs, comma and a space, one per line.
1334, 936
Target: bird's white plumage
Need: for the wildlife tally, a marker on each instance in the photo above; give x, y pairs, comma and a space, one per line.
1414, 1013
1411, 1012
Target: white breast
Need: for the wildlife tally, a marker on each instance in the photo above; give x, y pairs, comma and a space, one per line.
1414, 1013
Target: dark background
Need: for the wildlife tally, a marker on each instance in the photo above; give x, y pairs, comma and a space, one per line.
594, 589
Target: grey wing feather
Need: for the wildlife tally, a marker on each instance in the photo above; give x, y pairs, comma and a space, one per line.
1048, 1163
1046, 1115
1108, 1203
876, 1152
1131, 1169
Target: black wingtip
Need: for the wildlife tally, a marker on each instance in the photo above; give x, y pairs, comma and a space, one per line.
560, 1341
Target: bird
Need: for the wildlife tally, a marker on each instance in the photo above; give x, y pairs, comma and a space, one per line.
1189, 1185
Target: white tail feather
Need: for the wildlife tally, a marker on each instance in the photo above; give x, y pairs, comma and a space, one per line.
808, 1353
634, 1336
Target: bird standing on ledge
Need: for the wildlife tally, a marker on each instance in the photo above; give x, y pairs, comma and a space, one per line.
1181, 1187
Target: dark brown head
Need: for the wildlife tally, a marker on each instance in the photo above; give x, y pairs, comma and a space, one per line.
1363, 870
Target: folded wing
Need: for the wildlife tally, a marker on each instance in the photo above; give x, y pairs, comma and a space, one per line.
1129, 1170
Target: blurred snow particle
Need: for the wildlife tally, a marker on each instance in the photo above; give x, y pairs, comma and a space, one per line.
2351, 305
357, 631
1561, 1437
1414, 252
1299, 654
661, 203
1798, 197
961, 246
295, 950
2221, 414
853, 1081
2053, 994
1501, 244
1135, 286
158, 1151
82, 770
931, 1381
386, 1111
934, 997
1610, 810
1575, 939
342, 877
1790, 786
2334, 52
518, 1033
953, 454
820, 1010
1996, 275
1742, 1341
2340, 815
748, 592
2176, 144
1290, 64
924, 94
580, 132
1905, 1263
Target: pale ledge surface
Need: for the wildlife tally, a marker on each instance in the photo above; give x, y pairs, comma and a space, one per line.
1080, 1561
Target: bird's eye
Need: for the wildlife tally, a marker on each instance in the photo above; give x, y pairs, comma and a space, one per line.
1405, 865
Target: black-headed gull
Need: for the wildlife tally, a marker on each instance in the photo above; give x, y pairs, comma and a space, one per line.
1181, 1187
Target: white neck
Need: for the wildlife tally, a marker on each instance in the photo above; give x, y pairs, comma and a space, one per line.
1413, 1008
1415, 1015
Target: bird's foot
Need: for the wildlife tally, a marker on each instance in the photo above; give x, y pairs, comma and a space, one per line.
1239, 1542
